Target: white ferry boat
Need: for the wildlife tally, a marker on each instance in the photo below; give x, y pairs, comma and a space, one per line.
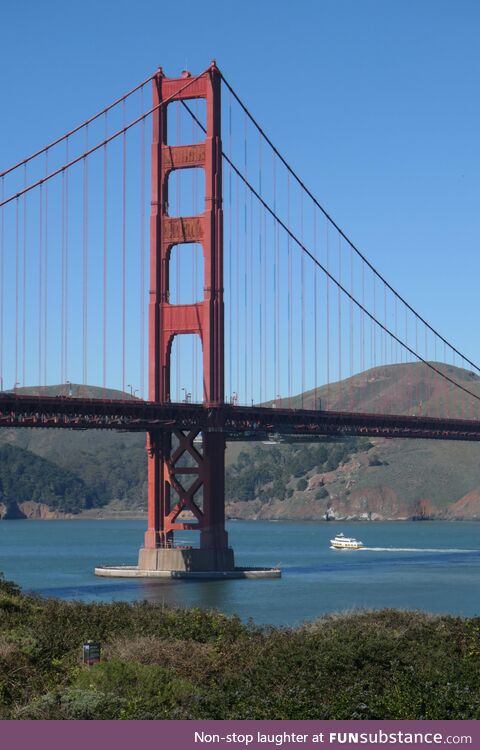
345, 542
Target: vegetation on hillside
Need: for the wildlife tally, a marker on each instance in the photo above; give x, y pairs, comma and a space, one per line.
24, 476
160, 663
90, 470
95, 468
266, 472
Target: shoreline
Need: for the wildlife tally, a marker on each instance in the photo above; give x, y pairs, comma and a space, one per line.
143, 516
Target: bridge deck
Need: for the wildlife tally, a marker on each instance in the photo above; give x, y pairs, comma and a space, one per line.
238, 422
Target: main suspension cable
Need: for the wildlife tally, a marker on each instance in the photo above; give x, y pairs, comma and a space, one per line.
77, 128
102, 143
336, 226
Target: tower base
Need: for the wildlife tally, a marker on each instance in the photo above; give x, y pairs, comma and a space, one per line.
186, 562
186, 559
132, 571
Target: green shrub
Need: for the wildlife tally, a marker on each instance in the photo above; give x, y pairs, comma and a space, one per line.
128, 690
8, 587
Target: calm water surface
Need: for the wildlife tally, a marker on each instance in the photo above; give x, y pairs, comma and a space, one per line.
433, 566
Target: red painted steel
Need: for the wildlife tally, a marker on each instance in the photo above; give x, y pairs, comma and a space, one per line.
170, 495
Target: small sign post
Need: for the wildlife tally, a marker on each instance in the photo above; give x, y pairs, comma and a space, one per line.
91, 653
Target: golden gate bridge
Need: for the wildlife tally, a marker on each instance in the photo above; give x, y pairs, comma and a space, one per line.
252, 313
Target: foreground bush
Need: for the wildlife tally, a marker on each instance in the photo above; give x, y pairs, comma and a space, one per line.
186, 664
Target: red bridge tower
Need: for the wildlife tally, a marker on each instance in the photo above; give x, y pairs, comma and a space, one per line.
186, 494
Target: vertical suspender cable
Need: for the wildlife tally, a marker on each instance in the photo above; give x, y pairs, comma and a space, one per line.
428, 376
24, 280
2, 282
233, 382
245, 296
265, 307
252, 391
390, 357
455, 394
245, 293
237, 252
124, 248
385, 323
260, 275
62, 285
260, 286
105, 255
339, 302
275, 283
315, 310
66, 261
85, 263
302, 292
327, 337
351, 330
395, 359
40, 285
17, 271
45, 300
373, 327
447, 388
289, 254
362, 322
245, 199
230, 256
466, 402
407, 402
142, 250
417, 372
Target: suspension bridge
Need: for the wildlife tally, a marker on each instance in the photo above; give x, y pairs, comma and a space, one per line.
234, 309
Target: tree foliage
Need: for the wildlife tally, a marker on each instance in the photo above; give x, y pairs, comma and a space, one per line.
24, 476
266, 472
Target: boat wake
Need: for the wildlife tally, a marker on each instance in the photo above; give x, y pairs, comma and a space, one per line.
414, 549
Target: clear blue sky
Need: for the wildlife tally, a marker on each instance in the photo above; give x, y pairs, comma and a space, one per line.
374, 103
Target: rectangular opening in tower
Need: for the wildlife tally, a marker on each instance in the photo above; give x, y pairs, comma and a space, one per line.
186, 274
186, 368
186, 192
186, 122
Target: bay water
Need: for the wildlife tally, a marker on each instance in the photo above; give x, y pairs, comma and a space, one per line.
432, 566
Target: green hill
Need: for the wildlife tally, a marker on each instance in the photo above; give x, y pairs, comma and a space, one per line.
412, 388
